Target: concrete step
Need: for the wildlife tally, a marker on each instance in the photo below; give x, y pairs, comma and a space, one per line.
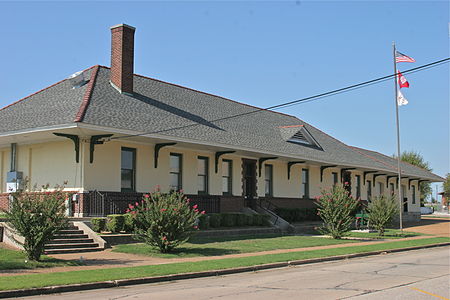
70, 236
70, 246
76, 250
69, 241
69, 231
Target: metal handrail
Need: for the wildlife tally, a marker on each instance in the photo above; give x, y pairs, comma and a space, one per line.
267, 209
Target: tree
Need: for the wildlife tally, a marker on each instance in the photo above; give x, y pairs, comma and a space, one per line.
37, 216
447, 186
336, 208
381, 212
416, 159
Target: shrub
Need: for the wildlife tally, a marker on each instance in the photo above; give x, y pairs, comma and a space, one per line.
241, 220
248, 219
298, 214
115, 223
381, 212
164, 220
203, 222
215, 220
98, 224
228, 220
335, 207
128, 225
266, 220
37, 216
257, 220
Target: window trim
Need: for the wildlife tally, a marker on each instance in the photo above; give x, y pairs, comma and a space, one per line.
369, 189
133, 177
306, 183
229, 177
206, 176
180, 171
358, 186
413, 194
270, 181
335, 178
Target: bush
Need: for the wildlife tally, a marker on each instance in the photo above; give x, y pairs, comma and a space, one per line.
203, 222
336, 207
37, 216
98, 224
266, 220
249, 219
164, 220
298, 214
128, 225
115, 223
228, 220
257, 220
241, 220
215, 220
381, 212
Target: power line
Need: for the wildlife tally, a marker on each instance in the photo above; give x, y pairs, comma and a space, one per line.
303, 100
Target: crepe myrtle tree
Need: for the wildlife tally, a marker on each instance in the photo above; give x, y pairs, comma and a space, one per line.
37, 215
164, 220
336, 208
381, 212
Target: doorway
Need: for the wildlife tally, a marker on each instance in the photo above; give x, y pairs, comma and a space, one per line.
249, 182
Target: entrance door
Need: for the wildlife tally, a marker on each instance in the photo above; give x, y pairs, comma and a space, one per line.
249, 181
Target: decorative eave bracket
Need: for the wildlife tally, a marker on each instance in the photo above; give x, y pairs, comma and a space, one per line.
375, 177
322, 168
365, 174
159, 147
76, 140
410, 180
290, 164
342, 172
96, 140
217, 156
389, 177
262, 160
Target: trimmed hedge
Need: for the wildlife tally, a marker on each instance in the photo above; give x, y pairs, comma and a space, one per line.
115, 223
203, 222
236, 220
298, 214
215, 220
98, 224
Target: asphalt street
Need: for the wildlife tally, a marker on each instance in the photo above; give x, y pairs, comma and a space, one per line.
420, 274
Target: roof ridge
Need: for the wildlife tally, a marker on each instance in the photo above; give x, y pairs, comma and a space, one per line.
35, 93
209, 94
87, 95
371, 157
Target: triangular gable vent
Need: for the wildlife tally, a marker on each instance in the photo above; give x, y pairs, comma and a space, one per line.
303, 137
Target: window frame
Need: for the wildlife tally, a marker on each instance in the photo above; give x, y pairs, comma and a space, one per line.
229, 178
358, 186
133, 170
268, 181
305, 183
205, 176
413, 194
380, 188
179, 173
369, 190
335, 178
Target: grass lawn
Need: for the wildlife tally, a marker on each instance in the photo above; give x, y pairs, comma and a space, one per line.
13, 259
60, 278
214, 246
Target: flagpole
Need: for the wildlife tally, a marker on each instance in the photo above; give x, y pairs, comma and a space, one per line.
398, 142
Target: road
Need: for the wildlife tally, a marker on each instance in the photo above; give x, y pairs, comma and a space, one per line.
420, 274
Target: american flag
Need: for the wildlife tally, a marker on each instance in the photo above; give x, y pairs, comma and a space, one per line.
400, 57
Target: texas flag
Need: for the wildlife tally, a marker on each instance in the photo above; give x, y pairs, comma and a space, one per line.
402, 82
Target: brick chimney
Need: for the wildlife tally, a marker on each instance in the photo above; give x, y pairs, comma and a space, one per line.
122, 58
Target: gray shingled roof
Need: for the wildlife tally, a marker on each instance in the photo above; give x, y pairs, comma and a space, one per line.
173, 111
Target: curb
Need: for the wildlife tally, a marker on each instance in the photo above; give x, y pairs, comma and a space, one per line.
164, 278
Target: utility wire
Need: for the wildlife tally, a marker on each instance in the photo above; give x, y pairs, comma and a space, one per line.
302, 100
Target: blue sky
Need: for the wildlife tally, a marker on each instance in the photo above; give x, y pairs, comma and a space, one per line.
260, 53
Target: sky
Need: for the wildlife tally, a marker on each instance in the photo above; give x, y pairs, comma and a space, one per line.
258, 52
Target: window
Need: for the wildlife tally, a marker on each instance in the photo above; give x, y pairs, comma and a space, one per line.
304, 188
369, 190
335, 178
227, 179
202, 175
268, 171
380, 188
358, 186
175, 171
128, 169
413, 194
392, 188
